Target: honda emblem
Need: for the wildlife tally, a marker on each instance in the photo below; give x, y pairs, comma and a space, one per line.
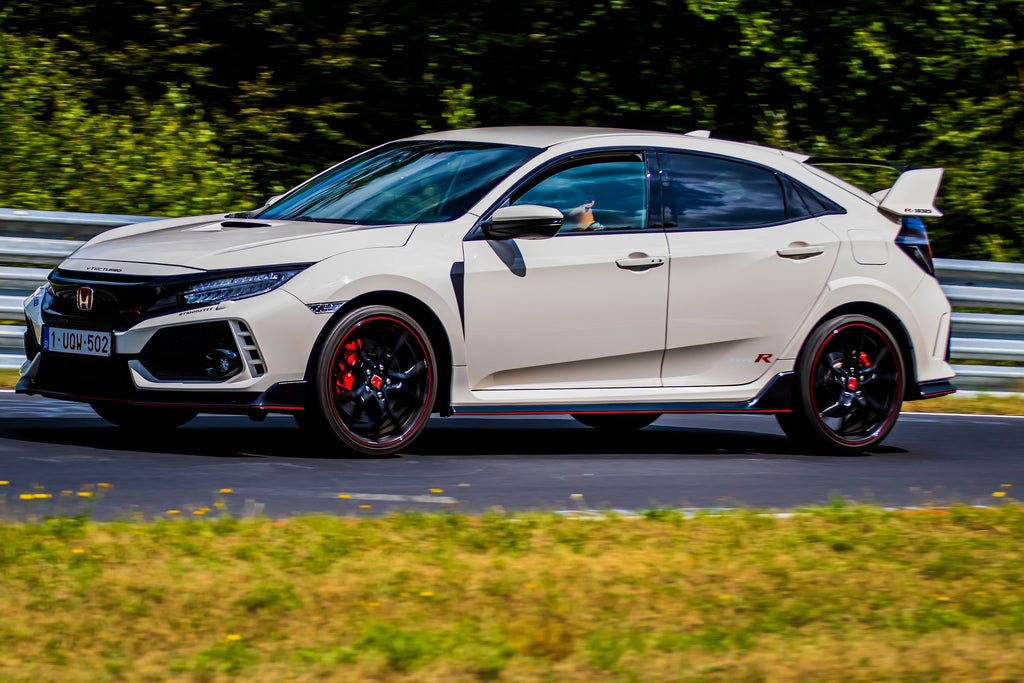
85, 296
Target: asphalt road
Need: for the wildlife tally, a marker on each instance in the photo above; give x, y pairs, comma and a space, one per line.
473, 464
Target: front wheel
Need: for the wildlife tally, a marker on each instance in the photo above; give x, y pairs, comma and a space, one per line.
376, 380
851, 381
142, 418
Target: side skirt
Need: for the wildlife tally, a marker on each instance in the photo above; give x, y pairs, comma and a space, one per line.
776, 397
933, 389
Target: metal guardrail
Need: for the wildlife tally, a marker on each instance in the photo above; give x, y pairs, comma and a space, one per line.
996, 333
979, 338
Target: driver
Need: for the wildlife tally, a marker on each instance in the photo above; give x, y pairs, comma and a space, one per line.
584, 216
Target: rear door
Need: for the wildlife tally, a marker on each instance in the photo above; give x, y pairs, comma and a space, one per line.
747, 262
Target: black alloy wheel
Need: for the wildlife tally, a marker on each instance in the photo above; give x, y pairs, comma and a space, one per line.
142, 418
376, 380
616, 422
851, 383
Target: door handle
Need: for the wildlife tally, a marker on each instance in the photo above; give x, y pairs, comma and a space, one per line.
800, 251
640, 262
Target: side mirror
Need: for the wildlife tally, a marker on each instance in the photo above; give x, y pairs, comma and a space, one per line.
525, 221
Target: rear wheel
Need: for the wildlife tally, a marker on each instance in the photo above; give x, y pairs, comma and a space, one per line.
616, 422
851, 380
142, 418
376, 380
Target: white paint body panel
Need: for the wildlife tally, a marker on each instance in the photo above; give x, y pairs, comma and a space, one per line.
559, 313
733, 299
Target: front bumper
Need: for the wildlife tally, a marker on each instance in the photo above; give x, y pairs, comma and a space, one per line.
283, 397
159, 361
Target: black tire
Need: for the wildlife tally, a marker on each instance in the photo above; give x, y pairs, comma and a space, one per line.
375, 382
142, 418
850, 384
616, 422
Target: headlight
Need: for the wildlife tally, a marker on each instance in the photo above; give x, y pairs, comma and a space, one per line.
235, 286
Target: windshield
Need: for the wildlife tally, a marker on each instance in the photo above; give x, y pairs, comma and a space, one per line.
425, 181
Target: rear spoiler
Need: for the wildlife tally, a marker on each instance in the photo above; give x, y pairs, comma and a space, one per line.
913, 193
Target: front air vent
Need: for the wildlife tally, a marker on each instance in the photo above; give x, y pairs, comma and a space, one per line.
250, 351
243, 224
197, 352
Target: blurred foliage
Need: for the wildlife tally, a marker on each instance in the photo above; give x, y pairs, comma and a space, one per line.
145, 106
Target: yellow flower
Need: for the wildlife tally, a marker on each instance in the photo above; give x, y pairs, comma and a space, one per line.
174, 512
218, 505
437, 490
344, 495
85, 494
4, 483
365, 507
232, 637
998, 494
103, 485
26, 496
427, 594
227, 490
943, 598
43, 495
77, 551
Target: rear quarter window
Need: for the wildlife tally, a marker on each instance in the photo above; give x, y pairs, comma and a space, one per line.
705, 193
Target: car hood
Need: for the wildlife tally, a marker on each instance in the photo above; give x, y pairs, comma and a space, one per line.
216, 242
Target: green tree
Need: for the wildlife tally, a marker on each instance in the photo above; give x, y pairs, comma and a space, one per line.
157, 157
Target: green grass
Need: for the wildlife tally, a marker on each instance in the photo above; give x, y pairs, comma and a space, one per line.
8, 378
976, 405
845, 593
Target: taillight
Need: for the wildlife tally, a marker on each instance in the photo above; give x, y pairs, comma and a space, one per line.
913, 239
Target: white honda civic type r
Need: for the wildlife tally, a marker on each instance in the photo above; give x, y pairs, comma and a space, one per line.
613, 275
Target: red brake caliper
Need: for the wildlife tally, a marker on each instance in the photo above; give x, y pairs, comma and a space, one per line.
344, 382
851, 383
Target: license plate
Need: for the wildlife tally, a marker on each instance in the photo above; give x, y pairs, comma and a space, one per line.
78, 342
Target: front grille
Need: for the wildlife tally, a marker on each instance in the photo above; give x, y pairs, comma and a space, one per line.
115, 302
83, 375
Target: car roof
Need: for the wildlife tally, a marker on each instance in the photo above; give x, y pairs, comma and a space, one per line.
530, 136
548, 136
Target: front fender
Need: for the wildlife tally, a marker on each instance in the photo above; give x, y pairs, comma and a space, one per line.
426, 278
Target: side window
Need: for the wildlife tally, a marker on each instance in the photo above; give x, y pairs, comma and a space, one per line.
709, 193
599, 194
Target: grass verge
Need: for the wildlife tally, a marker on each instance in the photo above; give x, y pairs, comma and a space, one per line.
844, 593
976, 405
8, 378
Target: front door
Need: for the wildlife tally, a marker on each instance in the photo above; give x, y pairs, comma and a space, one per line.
583, 309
